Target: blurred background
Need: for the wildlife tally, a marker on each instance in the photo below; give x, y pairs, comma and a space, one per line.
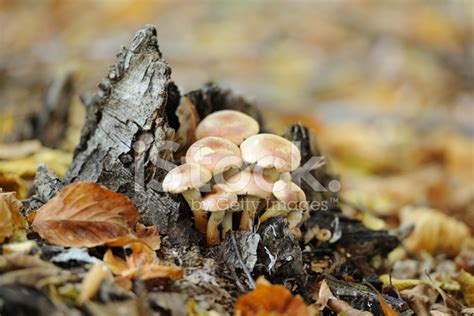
387, 85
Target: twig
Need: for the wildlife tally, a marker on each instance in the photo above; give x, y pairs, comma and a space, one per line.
241, 261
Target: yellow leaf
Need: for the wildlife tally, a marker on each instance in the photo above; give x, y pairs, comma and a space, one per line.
400, 285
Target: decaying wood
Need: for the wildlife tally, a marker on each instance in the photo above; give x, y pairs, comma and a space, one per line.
123, 142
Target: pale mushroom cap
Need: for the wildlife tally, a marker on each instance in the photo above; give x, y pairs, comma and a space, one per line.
232, 125
289, 193
248, 183
186, 177
271, 151
216, 154
219, 201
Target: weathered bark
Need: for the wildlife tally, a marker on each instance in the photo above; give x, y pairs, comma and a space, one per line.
123, 142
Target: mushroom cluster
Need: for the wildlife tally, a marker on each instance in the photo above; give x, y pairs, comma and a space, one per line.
238, 171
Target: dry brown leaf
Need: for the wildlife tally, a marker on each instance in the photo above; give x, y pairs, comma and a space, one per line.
56, 160
149, 235
10, 182
85, 215
267, 299
434, 231
325, 298
115, 264
142, 263
92, 281
419, 298
466, 280
12, 222
19, 150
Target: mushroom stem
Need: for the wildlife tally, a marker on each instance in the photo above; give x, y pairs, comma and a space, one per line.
272, 174
226, 224
275, 210
294, 218
213, 227
250, 205
193, 197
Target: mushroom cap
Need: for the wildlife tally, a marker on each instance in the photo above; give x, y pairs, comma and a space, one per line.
216, 154
271, 151
219, 200
289, 193
248, 183
232, 125
294, 218
186, 177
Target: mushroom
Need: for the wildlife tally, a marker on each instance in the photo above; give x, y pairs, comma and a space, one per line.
187, 179
216, 154
291, 203
232, 125
254, 187
217, 202
273, 153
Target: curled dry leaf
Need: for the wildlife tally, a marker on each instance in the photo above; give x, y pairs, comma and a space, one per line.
267, 299
466, 280
434, 231
142, 263
419, 298
92, 281
325, 298
12, 222
399, 284
85, 215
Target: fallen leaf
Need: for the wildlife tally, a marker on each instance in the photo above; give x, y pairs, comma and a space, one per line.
11, 182
397, 283
115, 264
466, 280
92, 281
12, 222
387, 310
149, 235
19, 150
56, 160
142, 263
85, 215
325, 298
419, 298
434, 231
267, 299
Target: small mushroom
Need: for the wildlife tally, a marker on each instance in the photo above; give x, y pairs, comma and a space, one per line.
232, 125
216, 154
254, 187
291, 203
217, 202
273, 153
187, 179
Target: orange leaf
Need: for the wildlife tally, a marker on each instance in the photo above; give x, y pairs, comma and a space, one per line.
267, 299
115, 264
11, 220
149, 235
85, 215
387, 310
